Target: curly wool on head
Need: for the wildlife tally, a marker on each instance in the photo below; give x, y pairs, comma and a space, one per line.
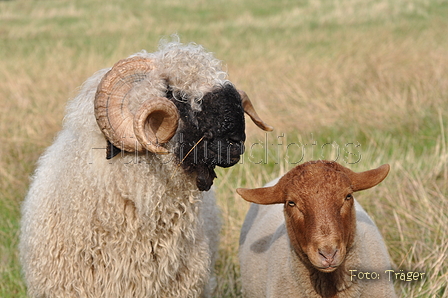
188, 70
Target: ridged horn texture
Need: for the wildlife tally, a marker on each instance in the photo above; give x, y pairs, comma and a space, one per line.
154, 123
250, 110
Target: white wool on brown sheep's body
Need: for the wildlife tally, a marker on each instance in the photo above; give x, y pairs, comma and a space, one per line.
271, 268
125, 227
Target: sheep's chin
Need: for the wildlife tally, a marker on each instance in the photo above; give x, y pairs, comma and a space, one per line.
322, 268
326, 270
205, 177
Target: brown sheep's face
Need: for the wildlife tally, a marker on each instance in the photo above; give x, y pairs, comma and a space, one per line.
320, 219
319, 208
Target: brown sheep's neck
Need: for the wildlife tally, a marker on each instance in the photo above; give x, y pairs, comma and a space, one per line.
328, 285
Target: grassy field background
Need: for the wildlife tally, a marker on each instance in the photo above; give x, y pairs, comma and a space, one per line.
360, 82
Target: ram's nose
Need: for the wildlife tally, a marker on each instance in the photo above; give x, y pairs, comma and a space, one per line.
230, 154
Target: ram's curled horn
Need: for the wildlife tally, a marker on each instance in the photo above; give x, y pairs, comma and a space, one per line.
154, 123
249, 110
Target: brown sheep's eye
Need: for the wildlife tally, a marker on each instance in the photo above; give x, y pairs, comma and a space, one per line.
348, 197
291, 204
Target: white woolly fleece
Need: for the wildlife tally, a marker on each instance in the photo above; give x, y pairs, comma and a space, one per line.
125, 227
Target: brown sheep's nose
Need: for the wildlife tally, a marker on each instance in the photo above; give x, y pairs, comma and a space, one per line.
327, 256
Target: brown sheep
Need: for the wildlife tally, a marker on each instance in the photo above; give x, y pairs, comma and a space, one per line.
320, 242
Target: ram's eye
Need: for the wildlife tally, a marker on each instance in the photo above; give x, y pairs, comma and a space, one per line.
208, 135
291, 204
348, 197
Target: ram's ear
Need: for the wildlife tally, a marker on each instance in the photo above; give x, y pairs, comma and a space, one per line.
111, 150
264, 195
250, 110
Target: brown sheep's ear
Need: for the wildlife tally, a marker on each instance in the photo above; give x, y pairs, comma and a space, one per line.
368, 179
264, 195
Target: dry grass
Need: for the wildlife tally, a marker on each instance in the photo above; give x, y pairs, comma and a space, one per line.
364, 82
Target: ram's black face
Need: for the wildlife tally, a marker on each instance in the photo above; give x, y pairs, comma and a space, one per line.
216, 133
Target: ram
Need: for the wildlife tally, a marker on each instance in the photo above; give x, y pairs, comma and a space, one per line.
120, 204
316, 236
